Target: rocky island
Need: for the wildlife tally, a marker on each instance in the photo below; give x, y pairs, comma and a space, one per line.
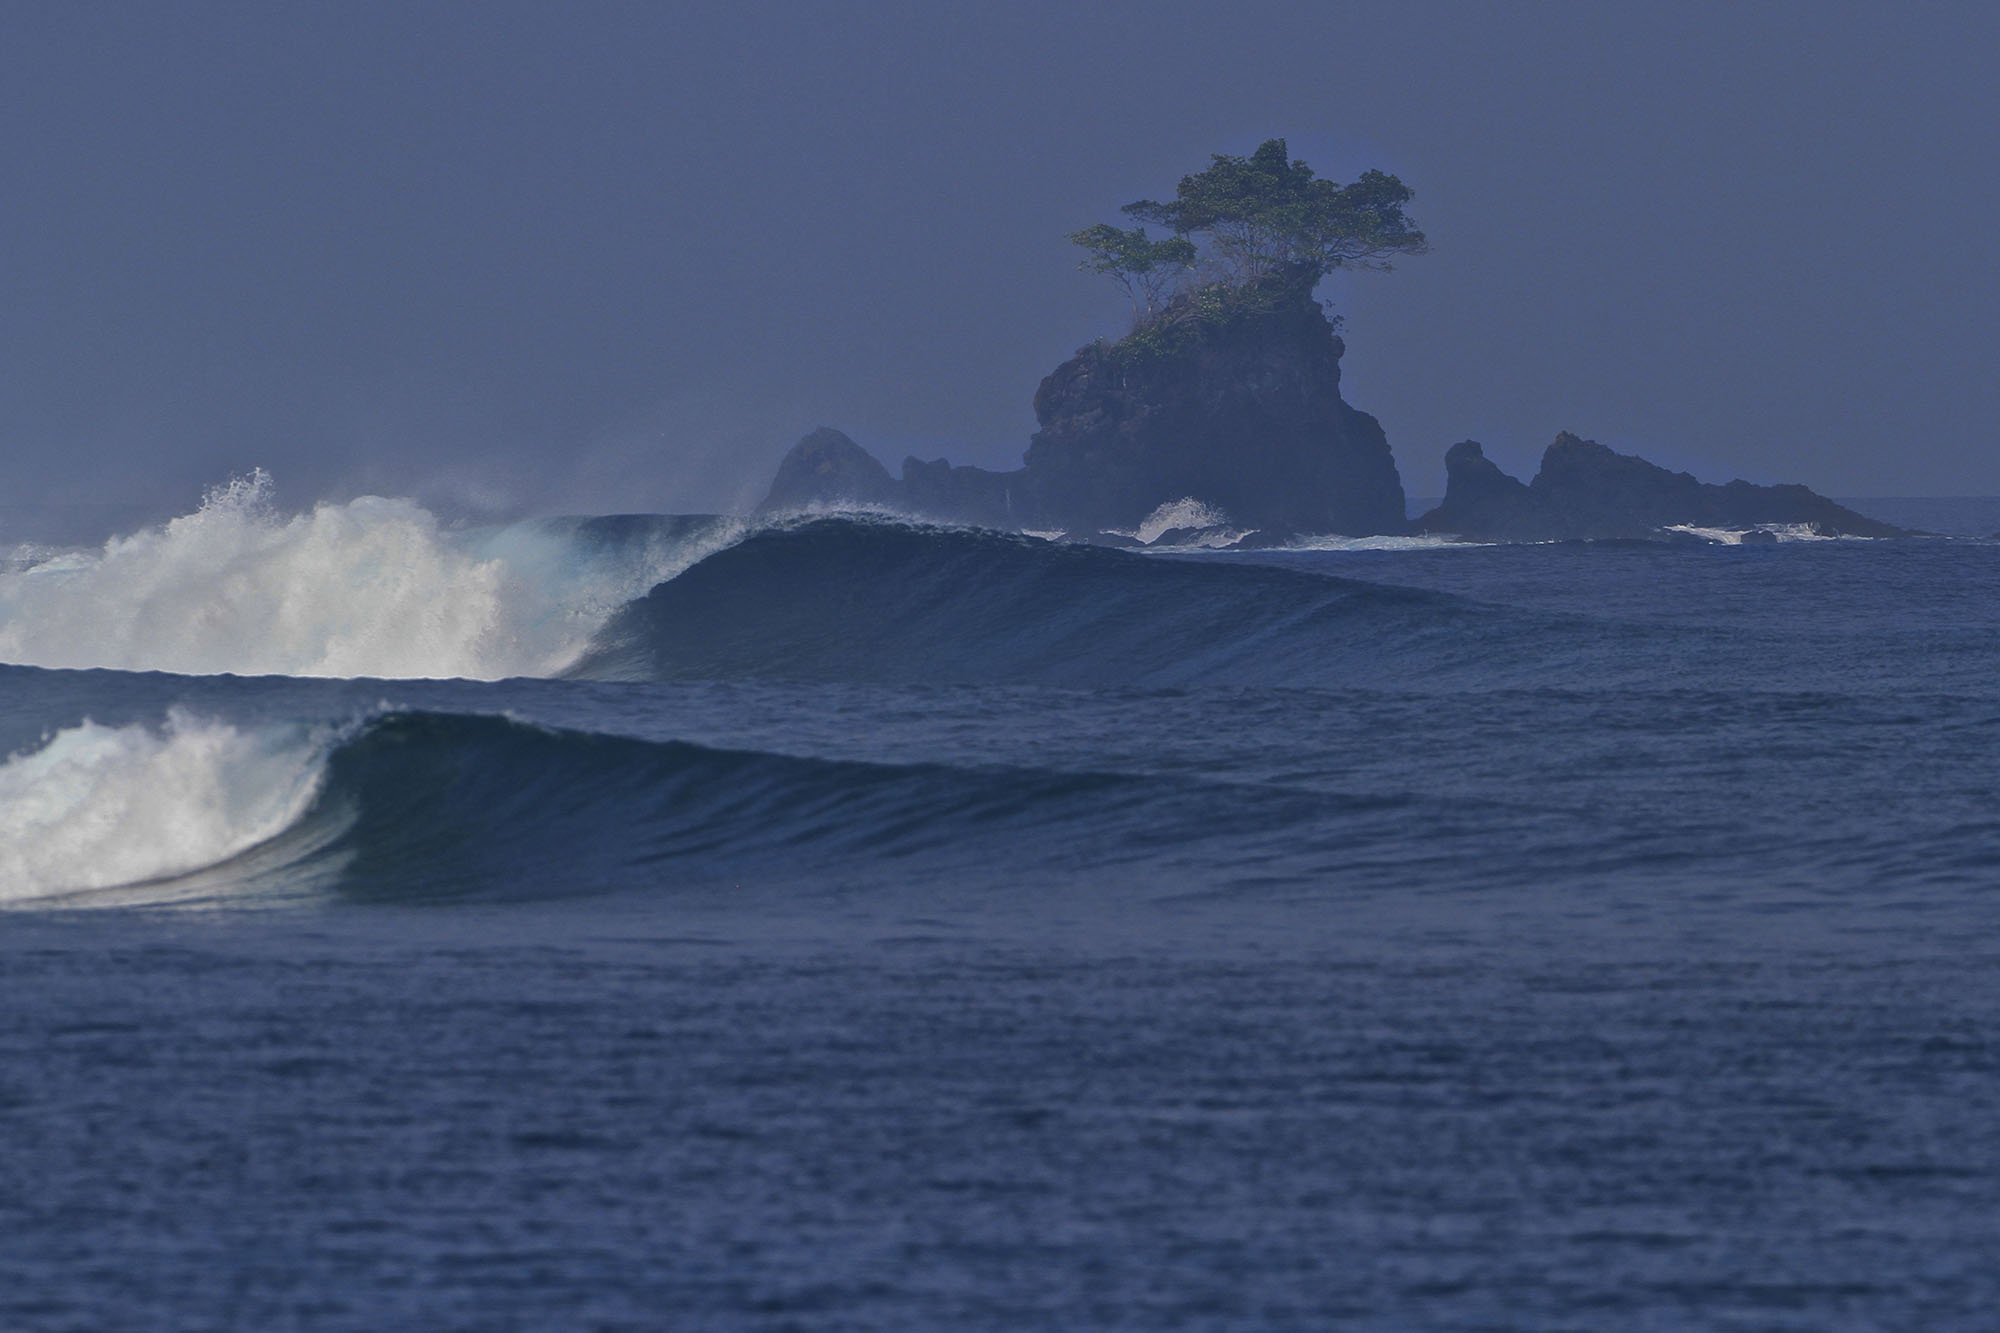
1585, 491
1224, 403
1239, 408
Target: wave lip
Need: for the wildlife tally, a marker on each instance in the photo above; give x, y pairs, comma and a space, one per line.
101, 807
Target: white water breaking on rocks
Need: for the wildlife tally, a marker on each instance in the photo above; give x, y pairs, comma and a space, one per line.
1187, 512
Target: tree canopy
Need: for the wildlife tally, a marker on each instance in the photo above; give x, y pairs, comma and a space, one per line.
1143, 267
1246, 218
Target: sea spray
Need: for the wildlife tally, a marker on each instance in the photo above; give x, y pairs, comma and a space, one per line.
370, 587
97, 806
1187, 512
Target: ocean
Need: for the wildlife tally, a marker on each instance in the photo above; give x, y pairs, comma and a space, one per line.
841, 923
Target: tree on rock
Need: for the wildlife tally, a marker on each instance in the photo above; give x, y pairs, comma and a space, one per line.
1145, 268
1245, 219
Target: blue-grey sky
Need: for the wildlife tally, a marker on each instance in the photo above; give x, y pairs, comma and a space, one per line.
618, 256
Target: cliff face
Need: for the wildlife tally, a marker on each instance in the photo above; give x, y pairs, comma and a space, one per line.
1481, 502
1585, 490
1237, 407
966, 494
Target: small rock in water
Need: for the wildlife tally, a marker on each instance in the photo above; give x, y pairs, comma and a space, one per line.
1759, 537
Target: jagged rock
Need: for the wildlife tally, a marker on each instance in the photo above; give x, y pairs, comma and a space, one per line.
1238, 406
1214, 538
1230, 402
1483, 503
1585, 490
1232, 399
963, 494
827, 468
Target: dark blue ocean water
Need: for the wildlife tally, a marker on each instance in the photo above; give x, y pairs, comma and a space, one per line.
857, 926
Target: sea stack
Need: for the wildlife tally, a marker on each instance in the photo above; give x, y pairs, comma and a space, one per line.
1228, 397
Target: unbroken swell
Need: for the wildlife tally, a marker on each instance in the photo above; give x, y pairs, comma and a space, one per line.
848, 600
417, 806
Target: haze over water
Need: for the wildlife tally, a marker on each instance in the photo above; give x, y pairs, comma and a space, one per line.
459, 872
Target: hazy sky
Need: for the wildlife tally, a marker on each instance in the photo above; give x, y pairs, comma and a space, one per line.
619, 256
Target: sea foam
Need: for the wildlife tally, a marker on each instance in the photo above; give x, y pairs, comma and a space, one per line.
1784, 532
97, 807
371, 587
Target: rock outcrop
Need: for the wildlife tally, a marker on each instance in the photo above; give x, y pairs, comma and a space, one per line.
826, 468
1587, 491
1231, 398
965, 494
1228, 405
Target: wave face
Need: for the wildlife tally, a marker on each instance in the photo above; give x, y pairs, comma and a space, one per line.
373, 587
877, 602
1575, 742
415, 806
381, 588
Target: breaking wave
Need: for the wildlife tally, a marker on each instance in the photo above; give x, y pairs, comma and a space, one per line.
371, 587
382, 588
101, 807
415, 806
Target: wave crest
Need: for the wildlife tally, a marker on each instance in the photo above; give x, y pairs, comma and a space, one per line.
97, 807
371, 587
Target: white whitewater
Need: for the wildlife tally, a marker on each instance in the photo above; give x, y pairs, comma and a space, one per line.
96, 806
1186, 512
1784, 532
371, 587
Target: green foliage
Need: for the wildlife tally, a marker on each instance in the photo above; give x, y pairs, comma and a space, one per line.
1248, 219
1197, 313
1143, 267
1263, 214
